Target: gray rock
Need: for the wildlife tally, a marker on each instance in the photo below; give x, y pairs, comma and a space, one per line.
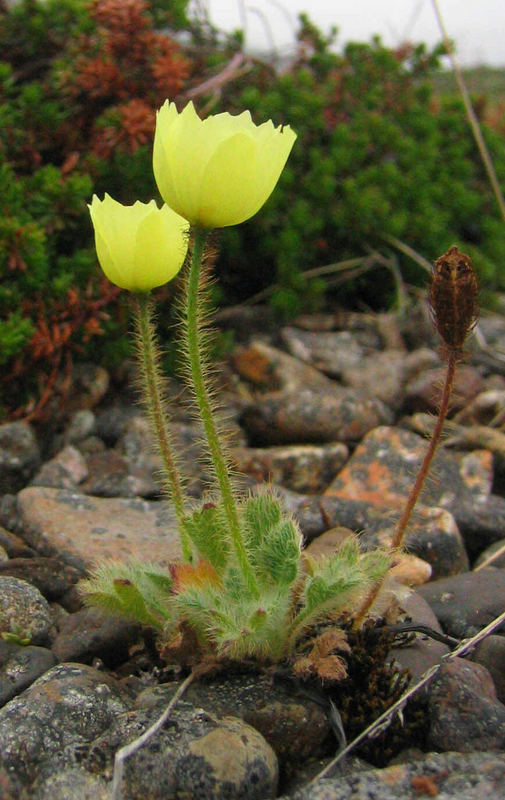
423, 392
332, 352
432, 532
448, 776
65, 471
85, 529
465, 714
69, 783
383, 468
20, 667
491, 654
46, 726
294, 725
423, 652
112, 475
24, 611
195, 755
82, 424
19, 456
13, 545
302, 468
481, 521
466, 603
90, 634
379, 375
312, 415
271, 369
51, 576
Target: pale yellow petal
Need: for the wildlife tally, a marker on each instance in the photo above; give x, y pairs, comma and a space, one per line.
219, 171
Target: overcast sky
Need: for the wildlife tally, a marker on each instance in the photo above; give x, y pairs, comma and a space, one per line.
477, 26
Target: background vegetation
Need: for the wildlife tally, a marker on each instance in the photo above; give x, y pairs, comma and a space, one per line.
384, 156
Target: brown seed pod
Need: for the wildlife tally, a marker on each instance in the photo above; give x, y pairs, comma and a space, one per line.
453, 297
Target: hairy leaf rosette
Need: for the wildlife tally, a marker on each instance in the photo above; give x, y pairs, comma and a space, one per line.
218, 171
141, 246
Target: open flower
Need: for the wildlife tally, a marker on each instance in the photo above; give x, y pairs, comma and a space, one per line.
139, 246
218, 171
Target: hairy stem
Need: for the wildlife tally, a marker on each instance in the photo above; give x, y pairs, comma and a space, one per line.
151, 384
203, 401
401, 527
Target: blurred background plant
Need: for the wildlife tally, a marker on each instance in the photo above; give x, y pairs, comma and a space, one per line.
384, 160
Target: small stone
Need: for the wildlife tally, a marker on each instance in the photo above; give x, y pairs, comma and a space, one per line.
13, 545
452, 776
410, 570
466, 603
379, 375
491, 654
24, 611
90, 634
85, 529
271, 369
328, 542
65, 471
112, 475
310, 415
423, 392
47, 725
81, 426
70, 783
19, 456
422, 652
194, 755
302, 468
20, 666
90, 384
331, 352
465, 714
51, 576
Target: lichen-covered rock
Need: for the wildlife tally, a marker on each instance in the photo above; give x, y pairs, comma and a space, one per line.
195, 755
451, 776
47, 725
24, 611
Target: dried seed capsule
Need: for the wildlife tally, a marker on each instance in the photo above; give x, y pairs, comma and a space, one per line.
453, 297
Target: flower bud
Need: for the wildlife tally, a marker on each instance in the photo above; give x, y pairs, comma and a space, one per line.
453, 297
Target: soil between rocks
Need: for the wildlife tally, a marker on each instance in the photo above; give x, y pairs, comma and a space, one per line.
333, 410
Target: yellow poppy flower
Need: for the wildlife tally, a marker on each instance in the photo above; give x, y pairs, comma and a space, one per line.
218, 171
139, 246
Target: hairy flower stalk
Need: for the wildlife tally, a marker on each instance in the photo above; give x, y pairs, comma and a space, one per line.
203, 401
454, 310
151, 383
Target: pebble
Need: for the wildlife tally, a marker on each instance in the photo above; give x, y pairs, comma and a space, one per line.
19, 456
89, 634
312, 415
307, 469
195, 755
20, 666
85, 529
449, 776
491, 654
49, 724
466, 603
24, 611
465, 714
